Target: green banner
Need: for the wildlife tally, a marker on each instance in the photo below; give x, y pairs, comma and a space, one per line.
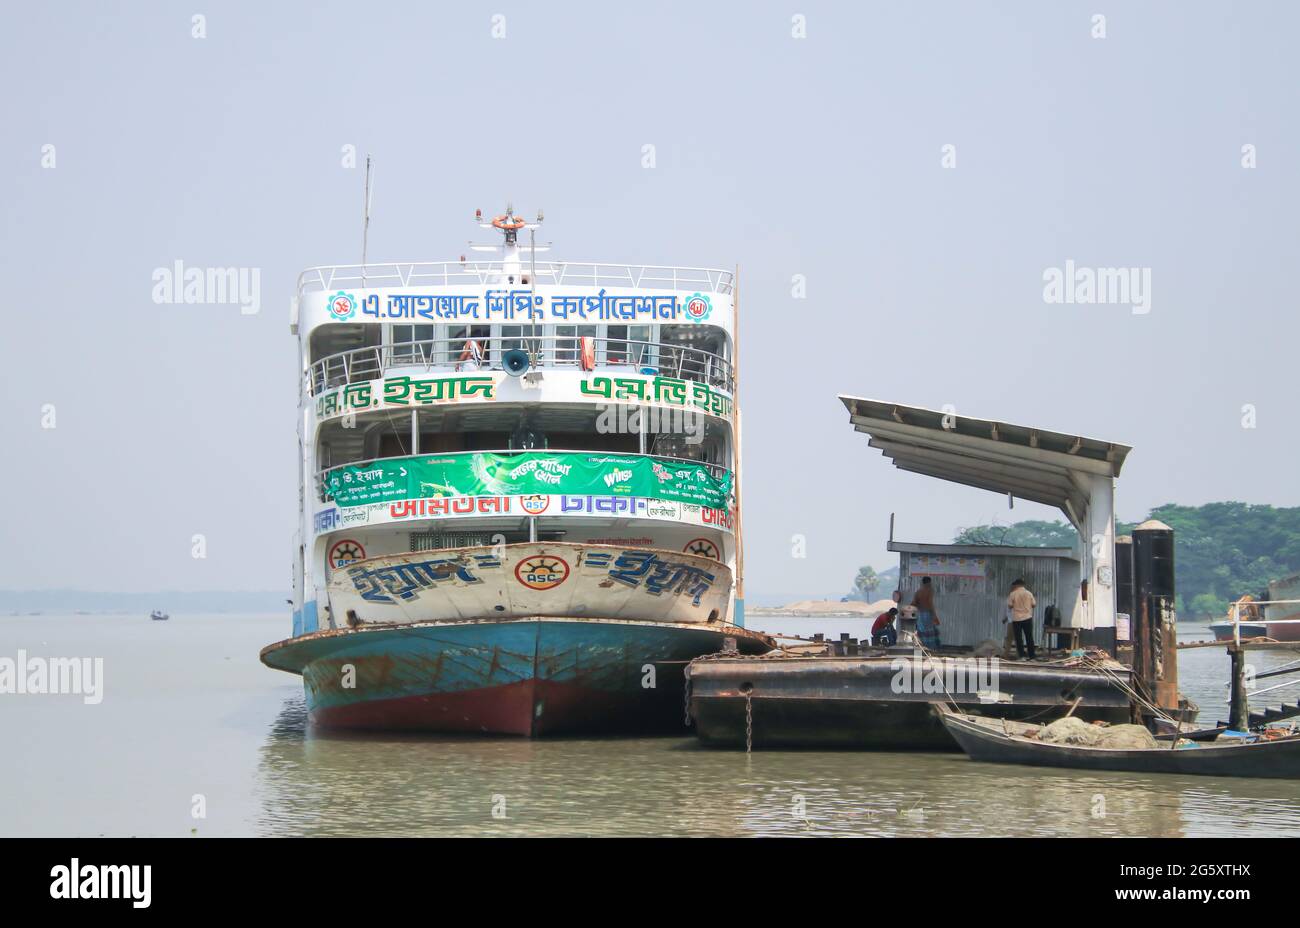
528, 472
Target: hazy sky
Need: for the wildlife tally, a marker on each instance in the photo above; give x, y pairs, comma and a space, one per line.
819, 156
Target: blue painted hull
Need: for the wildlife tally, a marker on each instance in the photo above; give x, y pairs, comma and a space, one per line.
528, 677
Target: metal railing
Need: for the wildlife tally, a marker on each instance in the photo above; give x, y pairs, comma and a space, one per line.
1262, 606
715, 470
360, 364
577, 273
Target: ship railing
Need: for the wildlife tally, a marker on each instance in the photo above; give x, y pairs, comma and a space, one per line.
575, 273
550, 351
1262, 606
322, 494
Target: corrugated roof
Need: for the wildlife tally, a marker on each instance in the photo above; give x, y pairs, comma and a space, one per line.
914, 547
1027, 462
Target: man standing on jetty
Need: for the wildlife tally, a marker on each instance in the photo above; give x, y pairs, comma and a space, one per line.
1021, 602
927, 619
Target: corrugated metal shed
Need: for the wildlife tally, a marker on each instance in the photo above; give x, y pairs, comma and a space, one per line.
970, 607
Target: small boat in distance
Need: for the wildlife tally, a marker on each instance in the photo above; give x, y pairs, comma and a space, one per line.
159, 616
1002, 741
1243, 618
1223, 630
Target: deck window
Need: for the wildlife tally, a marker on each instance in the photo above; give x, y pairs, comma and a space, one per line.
404, 351
459, 337
567, 347
625, 344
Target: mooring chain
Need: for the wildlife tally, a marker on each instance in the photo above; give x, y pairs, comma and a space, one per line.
749, 723
686, 697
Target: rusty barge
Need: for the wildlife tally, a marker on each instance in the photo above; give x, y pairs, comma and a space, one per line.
1101, 610
883, 700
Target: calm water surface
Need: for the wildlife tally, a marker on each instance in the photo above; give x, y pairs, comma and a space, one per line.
189, 711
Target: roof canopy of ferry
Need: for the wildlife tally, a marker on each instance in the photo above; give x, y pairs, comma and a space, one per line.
1053, 468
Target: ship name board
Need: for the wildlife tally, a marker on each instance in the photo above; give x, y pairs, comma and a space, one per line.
520, 305
333, 518
403, 579
458, 388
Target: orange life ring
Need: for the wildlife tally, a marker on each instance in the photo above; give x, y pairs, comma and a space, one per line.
500, 222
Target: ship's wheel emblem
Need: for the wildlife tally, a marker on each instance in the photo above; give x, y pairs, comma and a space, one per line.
704, 548
542, 572
344, 552
343, 306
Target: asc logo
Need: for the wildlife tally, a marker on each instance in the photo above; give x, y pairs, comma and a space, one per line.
698, 307
542, 572
534, 504
343, 306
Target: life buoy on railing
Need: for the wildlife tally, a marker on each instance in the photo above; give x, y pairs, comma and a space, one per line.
508, 223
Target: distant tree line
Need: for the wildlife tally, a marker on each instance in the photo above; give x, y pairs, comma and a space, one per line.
1221, 550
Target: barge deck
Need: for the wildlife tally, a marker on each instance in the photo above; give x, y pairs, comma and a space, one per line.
885, 700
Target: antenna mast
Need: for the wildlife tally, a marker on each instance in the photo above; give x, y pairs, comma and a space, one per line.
365, 224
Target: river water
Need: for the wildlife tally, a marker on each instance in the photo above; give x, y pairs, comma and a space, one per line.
194, 736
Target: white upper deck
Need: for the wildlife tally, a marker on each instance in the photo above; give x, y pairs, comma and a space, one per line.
470, 274
508, 293
512, 289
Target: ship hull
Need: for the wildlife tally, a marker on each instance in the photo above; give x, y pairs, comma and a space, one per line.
1280, 632
530, 677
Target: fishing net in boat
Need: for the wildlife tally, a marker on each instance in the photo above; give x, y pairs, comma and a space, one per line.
1127, 738
1070, 731
1078, 732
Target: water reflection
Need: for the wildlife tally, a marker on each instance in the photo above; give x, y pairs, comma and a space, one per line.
313, 783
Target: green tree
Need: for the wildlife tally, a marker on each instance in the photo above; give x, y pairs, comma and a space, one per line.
1208, 604
866, 582
1221, 550
1027, 534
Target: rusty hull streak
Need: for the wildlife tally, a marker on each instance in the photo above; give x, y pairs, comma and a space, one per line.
376, 672
342, 633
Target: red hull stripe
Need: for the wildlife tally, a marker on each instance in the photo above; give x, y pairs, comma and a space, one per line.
526, 707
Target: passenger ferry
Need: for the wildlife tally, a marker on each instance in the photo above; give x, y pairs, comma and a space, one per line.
519, 506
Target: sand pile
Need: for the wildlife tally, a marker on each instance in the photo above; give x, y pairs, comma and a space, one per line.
827, 606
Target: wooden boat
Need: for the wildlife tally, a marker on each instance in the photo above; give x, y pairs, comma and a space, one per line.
159, 616
1001, 741
1189, 731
